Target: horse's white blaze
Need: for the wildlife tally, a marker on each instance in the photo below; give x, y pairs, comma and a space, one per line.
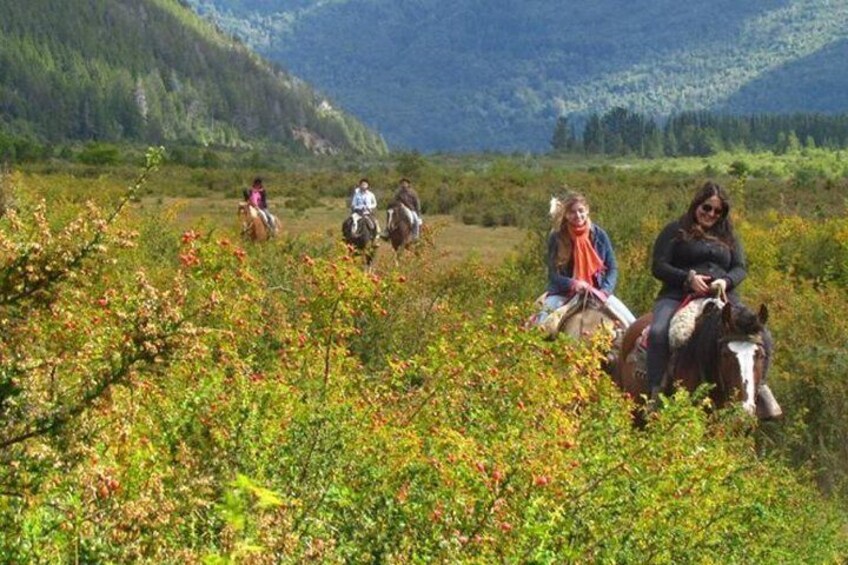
355, 226
744, 351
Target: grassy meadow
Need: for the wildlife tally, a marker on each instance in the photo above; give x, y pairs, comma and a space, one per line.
456, 241
171, 393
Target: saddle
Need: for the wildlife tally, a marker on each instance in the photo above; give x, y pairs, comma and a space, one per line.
368, 223
555, 320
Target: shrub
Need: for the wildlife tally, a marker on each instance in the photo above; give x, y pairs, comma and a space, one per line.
99, 154
739, 168
192, 400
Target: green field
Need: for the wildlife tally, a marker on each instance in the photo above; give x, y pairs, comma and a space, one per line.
172, 393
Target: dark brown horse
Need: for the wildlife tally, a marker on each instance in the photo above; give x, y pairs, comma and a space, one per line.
360, 232
399, 225
725, 350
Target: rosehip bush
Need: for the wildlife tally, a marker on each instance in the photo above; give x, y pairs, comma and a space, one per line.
176, 397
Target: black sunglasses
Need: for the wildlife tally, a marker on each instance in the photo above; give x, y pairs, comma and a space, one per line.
708, 208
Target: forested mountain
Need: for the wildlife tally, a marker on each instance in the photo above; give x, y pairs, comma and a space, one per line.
153, 71
477, 74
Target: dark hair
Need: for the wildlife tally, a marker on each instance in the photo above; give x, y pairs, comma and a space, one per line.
404, 180
257, 180
363, 179
722, 230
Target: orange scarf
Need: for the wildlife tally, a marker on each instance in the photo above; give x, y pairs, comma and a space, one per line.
587, 263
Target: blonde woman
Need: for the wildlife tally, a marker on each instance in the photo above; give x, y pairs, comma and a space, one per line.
580, 259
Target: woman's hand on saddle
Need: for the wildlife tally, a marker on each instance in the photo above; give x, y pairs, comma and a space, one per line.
579, 286
719, 288
700, 284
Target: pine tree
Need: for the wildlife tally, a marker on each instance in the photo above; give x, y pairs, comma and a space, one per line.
562, 140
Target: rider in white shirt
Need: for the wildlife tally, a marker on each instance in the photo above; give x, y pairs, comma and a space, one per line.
364, 203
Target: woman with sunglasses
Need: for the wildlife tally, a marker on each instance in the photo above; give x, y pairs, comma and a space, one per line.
697, 254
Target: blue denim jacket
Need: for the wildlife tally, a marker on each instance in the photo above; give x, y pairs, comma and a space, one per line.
559, 280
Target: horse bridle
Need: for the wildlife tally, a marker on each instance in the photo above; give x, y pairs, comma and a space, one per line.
756, 339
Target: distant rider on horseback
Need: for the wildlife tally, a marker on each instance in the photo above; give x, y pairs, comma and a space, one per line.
407, 196
258, 199
363, 204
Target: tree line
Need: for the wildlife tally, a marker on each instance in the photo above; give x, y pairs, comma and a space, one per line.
623, 132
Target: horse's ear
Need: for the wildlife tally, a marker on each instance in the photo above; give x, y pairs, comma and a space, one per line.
553, 207
727, 315
763, 314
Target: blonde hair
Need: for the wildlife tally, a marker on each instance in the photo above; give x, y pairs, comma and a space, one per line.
558, 209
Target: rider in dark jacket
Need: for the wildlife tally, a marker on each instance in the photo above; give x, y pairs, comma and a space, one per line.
695, 255
407, 196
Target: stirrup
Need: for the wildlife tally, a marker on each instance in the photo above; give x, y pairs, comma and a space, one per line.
653, 403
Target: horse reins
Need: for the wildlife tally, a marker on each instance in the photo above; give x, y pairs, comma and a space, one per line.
582, 311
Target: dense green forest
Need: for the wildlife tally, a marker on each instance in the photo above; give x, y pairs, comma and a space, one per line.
622, 132
172, 393
152, 71
471, 75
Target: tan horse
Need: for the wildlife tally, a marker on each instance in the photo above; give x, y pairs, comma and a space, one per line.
583, 316
252, 225
592, 317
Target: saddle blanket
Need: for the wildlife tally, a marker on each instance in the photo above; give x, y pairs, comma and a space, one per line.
680, 330
356, 217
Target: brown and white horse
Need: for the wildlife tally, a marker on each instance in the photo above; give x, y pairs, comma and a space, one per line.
726, 350
360, 232
399, 225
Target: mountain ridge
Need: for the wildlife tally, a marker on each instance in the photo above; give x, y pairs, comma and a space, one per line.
153, 71
470, 75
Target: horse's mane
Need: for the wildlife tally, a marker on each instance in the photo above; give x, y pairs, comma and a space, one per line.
703, 348
398, 214
400, 208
